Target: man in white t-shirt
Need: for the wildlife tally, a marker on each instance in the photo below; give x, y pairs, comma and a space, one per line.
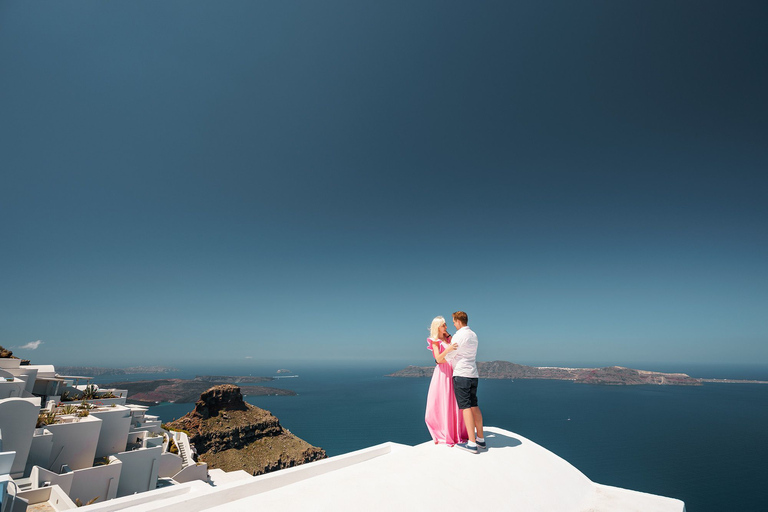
465, 379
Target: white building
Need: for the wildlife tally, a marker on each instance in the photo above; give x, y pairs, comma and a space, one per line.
90, 449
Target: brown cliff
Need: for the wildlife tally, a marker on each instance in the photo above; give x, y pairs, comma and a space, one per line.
230, 434
8, 354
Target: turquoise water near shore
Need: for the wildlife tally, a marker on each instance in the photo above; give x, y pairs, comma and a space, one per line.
705, 445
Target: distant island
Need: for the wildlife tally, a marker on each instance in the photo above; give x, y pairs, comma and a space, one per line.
150, 392
611, 375
96, 371
227, 379
734, 381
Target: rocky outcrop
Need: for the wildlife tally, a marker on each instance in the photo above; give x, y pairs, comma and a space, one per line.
220, 398
230, 434
8, 354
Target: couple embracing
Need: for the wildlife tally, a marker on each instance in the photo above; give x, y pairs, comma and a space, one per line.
453, 416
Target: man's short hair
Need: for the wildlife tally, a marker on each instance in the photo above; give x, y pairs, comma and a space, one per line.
461, 316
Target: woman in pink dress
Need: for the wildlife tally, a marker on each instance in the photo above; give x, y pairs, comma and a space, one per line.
444, 419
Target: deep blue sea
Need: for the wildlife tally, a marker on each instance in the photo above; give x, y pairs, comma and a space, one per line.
705, 445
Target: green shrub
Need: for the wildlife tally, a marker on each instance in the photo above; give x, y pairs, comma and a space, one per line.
69, 409
46, 418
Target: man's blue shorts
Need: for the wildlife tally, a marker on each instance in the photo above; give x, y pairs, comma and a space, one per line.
465, 389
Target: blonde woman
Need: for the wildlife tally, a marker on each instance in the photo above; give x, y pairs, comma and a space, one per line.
443, 417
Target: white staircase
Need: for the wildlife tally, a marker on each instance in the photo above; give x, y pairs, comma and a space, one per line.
185, 450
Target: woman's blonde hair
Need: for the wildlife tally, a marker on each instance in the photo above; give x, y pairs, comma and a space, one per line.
434, 329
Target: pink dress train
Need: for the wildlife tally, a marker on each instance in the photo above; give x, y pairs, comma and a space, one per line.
444, 419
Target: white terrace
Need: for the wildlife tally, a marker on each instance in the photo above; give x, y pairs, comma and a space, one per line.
56, 453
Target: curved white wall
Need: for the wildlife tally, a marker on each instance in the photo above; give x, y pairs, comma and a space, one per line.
18, 417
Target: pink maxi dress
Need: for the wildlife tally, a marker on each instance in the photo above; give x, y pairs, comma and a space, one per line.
444, 419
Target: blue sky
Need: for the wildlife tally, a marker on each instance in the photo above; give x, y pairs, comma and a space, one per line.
314, 181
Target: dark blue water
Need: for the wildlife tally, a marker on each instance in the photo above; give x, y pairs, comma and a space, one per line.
705, 445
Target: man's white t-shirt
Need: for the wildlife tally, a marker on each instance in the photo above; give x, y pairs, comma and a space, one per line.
463, 358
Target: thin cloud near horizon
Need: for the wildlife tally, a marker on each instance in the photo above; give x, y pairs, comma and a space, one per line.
32, 345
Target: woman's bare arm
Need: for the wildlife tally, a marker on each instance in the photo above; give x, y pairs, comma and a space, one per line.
440, 358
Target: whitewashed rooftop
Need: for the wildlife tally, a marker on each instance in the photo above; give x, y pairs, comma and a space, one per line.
513, 474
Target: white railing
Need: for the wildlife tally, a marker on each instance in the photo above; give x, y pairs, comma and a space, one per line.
185, 450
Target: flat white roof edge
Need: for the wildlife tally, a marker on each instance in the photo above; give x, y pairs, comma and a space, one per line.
148, 498
208, 497
263, 483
